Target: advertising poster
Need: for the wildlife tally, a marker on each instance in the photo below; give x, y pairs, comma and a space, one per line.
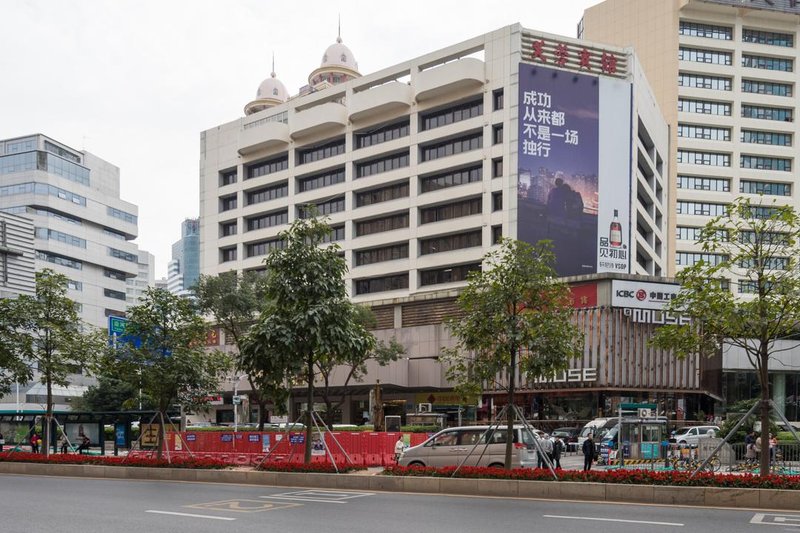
317, 444
574, 175
265, 443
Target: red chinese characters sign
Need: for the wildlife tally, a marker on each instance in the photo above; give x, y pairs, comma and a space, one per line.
584, 59
584, 295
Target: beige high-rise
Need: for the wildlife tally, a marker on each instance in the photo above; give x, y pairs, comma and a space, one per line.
725, 76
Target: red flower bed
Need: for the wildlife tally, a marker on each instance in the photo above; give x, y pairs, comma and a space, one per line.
180, 461
313, 468
632, 477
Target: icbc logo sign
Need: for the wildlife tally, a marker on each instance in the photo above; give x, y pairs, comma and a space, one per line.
641, 295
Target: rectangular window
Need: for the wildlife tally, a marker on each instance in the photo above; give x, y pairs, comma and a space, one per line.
336, 234
692, 258
497, 134
383, 164
464, 208
708, 31
766, 163
704, 107
268, 167
688, 233
704, 56
227, 254
704, 184
451, 178
114, 234
385, 194
125, 256
497, 167
20, 145
765, 87
59, 260
452, 147
55, 165
690, 131
227, 177
226, 203
323, 179
450, 274
700, 81
767, 113
497, 99
448, 243
497, 201
227, 229
766, 137
265, 194
114, 274
379, 225
320, 152
450, 115
382, 134
379, 255
255, 249
497, 234
322, 208
74, 285
61, 152
765, 187
767, 63
267, 220
11, 164
693, 157
53, 235
707, 209
768, 37
392, 282
117, 295
122, 215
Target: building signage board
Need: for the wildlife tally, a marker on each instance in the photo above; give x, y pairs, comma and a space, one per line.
642, 295
574, 168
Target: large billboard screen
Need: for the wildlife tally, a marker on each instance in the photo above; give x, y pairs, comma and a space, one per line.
574, 168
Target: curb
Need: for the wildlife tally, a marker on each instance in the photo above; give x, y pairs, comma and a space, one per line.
772, 499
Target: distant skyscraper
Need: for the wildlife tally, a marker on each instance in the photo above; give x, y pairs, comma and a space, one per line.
82, 228
184, 268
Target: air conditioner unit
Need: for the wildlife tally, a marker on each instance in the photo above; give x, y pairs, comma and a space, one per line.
424, 408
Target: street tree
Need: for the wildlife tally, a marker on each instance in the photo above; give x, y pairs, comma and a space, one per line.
353, 365
235, 300
758, 246
515, 317
308, 313
111, 394
48, 335
169, 362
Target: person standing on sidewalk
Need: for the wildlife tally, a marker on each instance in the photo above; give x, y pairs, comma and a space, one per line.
588, 453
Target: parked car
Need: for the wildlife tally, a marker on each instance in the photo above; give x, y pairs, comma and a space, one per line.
569, 436
691, 435
452, 445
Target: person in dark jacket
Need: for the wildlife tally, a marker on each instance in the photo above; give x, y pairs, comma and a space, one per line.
558, 449
588, 453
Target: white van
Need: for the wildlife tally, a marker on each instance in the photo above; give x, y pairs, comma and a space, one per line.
450, 446
593, 428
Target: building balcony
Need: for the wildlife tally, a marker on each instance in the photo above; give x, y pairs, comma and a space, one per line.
318, 119
262, 137
464, 74
391, 98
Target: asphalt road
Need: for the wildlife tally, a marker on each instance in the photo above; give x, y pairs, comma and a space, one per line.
41, 504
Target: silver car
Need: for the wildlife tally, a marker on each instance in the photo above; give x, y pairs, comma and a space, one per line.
452, 445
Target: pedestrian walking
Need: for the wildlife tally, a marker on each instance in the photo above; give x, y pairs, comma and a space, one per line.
399, 447
558, 449
588, 453
84, 445
546, 448
35, 443
63, 443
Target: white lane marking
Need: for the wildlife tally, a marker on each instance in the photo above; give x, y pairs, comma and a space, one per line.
299, 499
191, 515
768, 519
675, 524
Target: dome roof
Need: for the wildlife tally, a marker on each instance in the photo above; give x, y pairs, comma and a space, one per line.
339, 55
272, 89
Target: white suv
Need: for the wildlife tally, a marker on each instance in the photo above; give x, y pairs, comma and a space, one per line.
691, 435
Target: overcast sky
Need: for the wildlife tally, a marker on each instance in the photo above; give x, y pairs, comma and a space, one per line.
135, 82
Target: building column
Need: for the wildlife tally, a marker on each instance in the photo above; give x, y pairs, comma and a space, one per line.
779, 392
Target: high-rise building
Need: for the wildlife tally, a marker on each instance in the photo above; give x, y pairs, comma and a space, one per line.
82, 227
422, 167
145, 278
724, 73
184, 268
17, 274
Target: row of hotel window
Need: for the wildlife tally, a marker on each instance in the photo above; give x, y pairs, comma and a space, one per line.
715, 133
725, 33
449, 178
437, 213
716, 159
712, 209
72, 240
709, 107
717, 57
384, 163
703, 183
63, 194
725, 83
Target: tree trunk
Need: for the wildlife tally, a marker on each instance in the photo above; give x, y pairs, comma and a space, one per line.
765, 418
262, 412
512, 377
48, 417
309, 407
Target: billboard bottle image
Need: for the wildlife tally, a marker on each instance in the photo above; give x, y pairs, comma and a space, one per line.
615, 231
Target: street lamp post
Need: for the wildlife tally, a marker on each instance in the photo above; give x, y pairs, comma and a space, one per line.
236, 381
